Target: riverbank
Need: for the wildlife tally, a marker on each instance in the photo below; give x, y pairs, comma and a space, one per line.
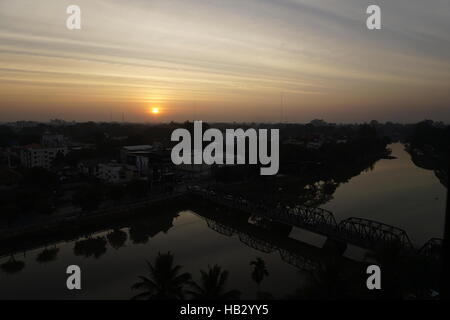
71, 226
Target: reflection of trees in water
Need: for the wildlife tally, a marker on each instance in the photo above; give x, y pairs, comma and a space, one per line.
311, 188
138, 234
212, 285
142, 230
12, 266
430, 161
318, 193
442, 175
165, 281
95, 247
117, 238
47, 255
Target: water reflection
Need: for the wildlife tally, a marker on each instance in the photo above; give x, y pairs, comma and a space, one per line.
91, 247
395, 192
242, 246
117, 238
12, 266
142, 230
47, 255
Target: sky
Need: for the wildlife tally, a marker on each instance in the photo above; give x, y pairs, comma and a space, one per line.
225, 60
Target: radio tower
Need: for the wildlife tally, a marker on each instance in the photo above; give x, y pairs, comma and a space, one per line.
281, 108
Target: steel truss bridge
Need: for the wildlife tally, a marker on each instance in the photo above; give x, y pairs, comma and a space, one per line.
307, 260
361, 232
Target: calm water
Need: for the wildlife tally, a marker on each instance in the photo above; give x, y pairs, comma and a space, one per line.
394, 191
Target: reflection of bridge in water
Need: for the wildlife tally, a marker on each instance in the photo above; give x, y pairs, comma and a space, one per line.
299, 254
361, 232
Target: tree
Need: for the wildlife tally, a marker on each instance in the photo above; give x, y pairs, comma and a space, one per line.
47, 255
117, 238
165, 280
137, 188
40, 178
90, 247
88, 198
259, 271
9, 212
115, 193
12, 266
212, 285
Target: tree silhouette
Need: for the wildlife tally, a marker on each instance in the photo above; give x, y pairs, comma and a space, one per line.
259, 272
138, 234
95, 247
117, 238
212, 285
12, 265
165, 281
88, 198
47, 255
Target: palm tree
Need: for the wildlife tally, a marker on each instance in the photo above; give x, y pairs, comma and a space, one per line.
212, 285
259, 272
165, 282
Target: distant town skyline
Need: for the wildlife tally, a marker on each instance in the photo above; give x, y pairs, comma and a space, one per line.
218, 61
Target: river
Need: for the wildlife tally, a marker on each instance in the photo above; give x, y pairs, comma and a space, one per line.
394, 191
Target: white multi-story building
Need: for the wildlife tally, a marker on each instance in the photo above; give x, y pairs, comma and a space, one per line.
35, 155
116, 173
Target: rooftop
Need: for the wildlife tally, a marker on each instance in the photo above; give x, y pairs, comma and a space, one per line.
137, 148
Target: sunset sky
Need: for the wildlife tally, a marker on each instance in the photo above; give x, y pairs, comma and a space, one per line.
225, 60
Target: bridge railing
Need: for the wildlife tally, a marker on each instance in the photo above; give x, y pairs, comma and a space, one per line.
366, 233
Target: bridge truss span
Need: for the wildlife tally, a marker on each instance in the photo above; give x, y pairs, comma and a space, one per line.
366, 233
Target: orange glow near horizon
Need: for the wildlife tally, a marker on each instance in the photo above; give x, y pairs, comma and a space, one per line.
305, 60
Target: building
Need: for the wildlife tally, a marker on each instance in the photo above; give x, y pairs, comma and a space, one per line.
114, 172
108, 171
128, 154
42, 155
53, 140
315, 144
36, 155
89, 167
151, 161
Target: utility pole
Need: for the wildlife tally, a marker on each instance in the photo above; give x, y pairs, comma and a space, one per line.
445, 272
281, 108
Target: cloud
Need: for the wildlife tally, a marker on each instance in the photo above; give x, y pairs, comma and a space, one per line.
236, 53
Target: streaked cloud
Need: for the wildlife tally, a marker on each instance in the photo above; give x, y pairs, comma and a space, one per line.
228, 60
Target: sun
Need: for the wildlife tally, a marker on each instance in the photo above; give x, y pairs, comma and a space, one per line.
155, 110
